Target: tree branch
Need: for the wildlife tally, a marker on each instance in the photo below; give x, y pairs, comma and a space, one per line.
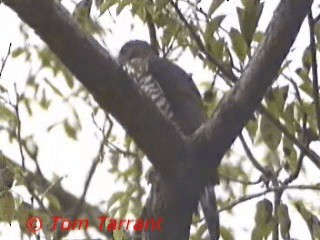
67, 200
216, 136
314, 69
158, 138
109, 85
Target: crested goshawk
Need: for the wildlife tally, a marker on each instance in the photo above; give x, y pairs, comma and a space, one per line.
177, 98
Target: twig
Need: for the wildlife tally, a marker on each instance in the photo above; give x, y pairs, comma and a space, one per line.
59, 180
152, 31
314, 69
240, 181
254, 161
307, 151
256, 195
94, 165
16, 108
276, 203
227, 72
296, 89
5, 59
27, 181
294, 175
92, 170
110, 144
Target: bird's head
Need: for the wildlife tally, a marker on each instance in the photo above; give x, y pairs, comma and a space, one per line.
135, 49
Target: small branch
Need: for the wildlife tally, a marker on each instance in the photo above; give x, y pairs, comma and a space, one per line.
93, 168
19, 139
294, 175
5, 59
36, 196
240, 181
152, 32
16, 108
307, 151
253, 160
227, 72
276, 203
52, 185
81, 202
296, 89
314, 69
315, 187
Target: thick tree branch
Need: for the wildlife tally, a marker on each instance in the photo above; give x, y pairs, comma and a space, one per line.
110, 86
235, 109
158, 138
119, 96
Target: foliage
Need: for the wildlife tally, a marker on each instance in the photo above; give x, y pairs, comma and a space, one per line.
289, 113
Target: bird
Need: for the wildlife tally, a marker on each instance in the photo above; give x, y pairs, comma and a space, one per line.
177, 98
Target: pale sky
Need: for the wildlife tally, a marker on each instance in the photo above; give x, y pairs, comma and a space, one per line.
62, 156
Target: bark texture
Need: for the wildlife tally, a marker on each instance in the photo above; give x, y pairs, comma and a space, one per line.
185, 164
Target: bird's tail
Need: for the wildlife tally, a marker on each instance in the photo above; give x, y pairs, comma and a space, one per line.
210, 210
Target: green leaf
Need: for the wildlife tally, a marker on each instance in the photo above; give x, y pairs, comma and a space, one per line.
31, 147
212, 27
307, 59
161, 3
284, 221
303, 74
226, 234
7, 207
216, 47
200, 231
17, 52
70, 130
106, 5
7, 115
249, 18
258, 36
276, 99
55, 89
44, 102
45, 57
257, 233
306, 215
68, 77
24, 211
121, 6
269, 133
308, 107
26, 102
6, 178
124, 207
252, 127
114, 198
214, 6
118, 234
307, 88
289, 117
290, 155
263, 212
53, 202
2, 89
238, 44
